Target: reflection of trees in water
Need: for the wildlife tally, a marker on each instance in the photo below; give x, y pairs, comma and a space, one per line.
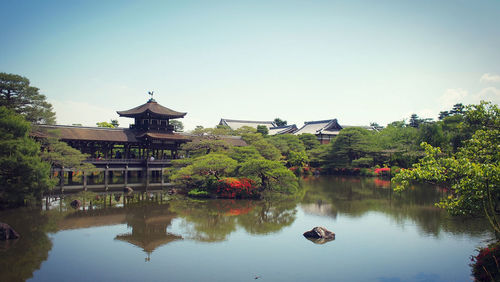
22, 257
268, 217
206, 220
357, 196
214, 220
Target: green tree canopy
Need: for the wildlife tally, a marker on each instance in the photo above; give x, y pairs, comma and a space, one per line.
351, 144
267, 150
280, 122
23, 174
271, 175
309, 140
178, 126
206, 146
17, 94
105, 124
262, 129
287, 143
473, 173
242, 154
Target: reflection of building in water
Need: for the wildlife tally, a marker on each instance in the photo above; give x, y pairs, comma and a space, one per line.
320, 208
149, 228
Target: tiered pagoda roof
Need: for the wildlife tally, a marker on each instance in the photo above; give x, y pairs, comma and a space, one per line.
154, 109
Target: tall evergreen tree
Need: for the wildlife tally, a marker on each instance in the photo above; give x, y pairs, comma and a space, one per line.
17, 94
23, 174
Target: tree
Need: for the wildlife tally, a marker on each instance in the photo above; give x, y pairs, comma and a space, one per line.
299, 159
433, 134
23, 174
60, 154
472, 174
17, 94
105, 124
280, 122
262, 129
206, 146
415, 121
287, 143
267, 150
351, 144
457, 109
199, 131
309, 140
401, 141
272, 175
178, 126
242, 154
115, 123
245, 130
376, 125
216, 165
205, 170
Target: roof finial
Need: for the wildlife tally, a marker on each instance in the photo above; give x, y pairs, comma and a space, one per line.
151, 94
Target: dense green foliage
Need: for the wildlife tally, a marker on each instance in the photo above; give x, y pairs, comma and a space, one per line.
105, 124
177, 124
17, 94
25, 164
472, 173
23, 174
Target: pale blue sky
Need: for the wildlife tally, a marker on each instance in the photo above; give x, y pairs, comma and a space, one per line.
357, 61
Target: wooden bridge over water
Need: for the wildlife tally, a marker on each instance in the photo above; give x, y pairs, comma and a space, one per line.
114, 174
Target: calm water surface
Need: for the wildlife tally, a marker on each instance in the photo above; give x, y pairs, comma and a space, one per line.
380, 236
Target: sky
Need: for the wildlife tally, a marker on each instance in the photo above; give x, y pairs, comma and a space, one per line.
357, 61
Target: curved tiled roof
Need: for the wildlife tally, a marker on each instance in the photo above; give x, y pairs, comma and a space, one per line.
122, 135
160, 135
154, 109
65, 132
235, 124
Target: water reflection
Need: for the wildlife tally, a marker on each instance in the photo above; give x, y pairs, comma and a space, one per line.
149, 222
355, 197
214, 220
156, 219
26, 254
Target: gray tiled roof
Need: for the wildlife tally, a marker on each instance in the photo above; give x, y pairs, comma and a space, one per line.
235, 124
282, 129
329, 126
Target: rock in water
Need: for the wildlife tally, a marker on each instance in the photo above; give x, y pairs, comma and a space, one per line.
319, 235
7, 233
76, 204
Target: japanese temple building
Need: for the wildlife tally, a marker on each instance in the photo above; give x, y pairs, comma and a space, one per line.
143, 149
150, 135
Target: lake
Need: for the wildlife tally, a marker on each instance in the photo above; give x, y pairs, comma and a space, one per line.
380, 236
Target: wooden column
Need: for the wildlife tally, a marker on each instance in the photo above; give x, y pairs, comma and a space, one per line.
84, 180
106, 180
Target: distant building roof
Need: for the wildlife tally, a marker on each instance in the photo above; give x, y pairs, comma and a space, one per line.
235, 124
154, 109
282, 129
329, 126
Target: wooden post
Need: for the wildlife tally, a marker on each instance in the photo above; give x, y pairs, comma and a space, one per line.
61, 179
161, 175
84, 181
126, 175
106, 180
